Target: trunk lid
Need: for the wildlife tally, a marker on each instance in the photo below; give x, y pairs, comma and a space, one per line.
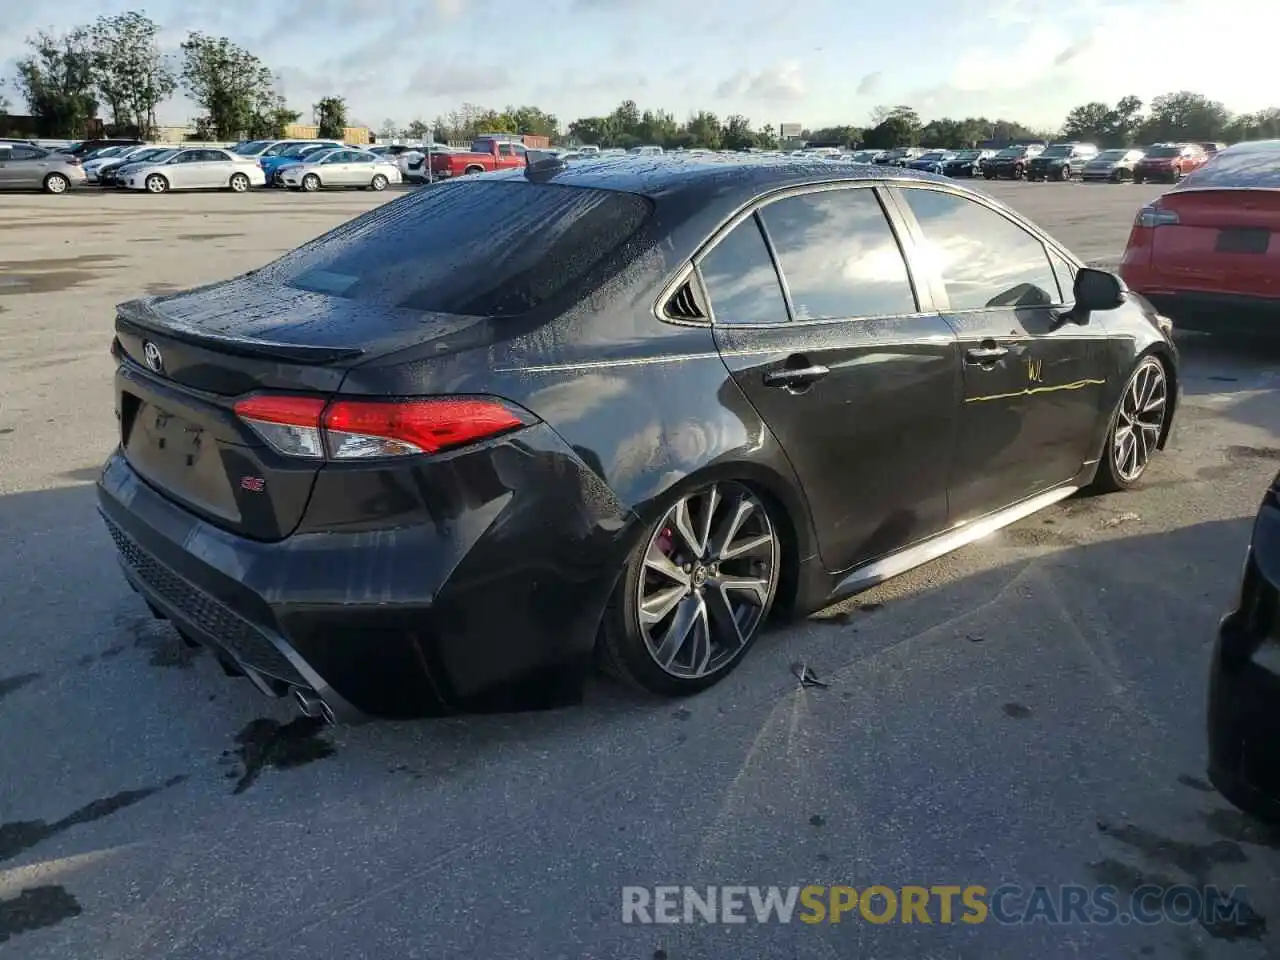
1225, 241
184, 361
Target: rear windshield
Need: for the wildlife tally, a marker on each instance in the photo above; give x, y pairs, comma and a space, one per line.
1164, 152
1012, 152
479, 248
1248, 166
1058, 151
252, 148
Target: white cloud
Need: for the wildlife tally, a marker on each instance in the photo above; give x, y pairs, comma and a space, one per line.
1041, 66
870, 83
783, 82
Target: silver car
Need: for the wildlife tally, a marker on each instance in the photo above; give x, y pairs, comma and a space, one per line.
196, 168
343, 167
28, 167
1115, 166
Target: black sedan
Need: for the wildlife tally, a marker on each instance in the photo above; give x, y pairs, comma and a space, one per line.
1244, 686
1011, 162
966, 163
457, 448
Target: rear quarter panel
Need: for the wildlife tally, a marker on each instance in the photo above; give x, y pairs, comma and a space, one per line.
646, 405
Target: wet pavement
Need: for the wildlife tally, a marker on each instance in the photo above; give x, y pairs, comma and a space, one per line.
1028, 711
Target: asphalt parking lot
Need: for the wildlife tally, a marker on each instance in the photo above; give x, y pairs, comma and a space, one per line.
1027, 711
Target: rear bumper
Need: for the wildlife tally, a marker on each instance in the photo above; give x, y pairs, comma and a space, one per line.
493, 600
1244, 684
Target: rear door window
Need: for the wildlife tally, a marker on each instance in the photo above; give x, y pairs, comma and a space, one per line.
839, 255
470, 247
741, 280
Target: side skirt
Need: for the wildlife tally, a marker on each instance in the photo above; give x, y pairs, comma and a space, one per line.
878, 571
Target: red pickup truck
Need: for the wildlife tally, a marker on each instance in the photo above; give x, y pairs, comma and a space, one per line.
486, 154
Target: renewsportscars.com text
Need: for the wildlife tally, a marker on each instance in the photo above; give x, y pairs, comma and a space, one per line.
1008, 904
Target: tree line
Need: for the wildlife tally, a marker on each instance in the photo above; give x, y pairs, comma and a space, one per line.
115, 65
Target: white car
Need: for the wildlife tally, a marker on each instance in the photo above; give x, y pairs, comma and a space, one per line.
343, 167
197, 168
117, 157
412, 161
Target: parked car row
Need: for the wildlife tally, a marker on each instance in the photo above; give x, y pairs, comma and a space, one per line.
307, 165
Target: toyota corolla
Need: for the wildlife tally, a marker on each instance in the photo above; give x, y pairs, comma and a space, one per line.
487, 433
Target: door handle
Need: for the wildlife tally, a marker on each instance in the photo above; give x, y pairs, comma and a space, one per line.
795, 378
985, 354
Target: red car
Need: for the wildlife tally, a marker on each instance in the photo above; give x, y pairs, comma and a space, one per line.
1170, 161
1207, 253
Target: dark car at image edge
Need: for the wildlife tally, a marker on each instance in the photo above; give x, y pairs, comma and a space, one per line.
1244, 684
400, 477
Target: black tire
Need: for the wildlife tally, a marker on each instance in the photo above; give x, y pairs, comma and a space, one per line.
310, 183
239, 183
988, 176
472, 170
1018, 171
1139, 178
1064, 174
56, 183
379, 182
156, 183
625, 649
1113, 473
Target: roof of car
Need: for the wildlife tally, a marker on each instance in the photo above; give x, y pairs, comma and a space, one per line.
733, 176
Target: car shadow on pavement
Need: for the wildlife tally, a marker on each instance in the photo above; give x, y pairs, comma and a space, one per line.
1040, 719
1240, 379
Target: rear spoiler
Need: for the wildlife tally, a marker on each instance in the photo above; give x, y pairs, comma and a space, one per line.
144, 317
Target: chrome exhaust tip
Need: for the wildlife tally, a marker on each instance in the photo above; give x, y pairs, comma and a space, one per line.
313, 706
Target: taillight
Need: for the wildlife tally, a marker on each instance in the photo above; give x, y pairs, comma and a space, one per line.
73, 161
361, 429
291, 425
1154, 215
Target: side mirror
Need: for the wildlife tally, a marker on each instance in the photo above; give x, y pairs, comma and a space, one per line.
1098, 290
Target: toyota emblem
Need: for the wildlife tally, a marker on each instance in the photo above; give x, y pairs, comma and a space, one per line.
151, 354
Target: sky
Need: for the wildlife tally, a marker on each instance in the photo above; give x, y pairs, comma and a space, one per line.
814, 62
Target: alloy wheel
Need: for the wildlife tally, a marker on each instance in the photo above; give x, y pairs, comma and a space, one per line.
310, 183
56, 183
709, 573
156, 184
239, 183
1140, 420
